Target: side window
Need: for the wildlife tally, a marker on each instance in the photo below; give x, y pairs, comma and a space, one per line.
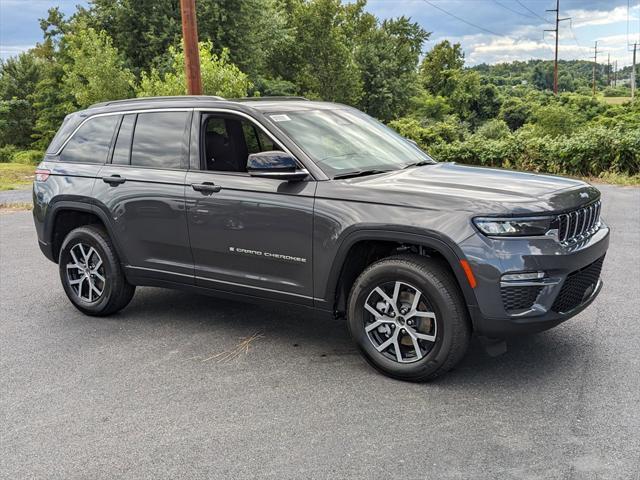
228, 141
91, 142
122, 149
257, 140
159, 139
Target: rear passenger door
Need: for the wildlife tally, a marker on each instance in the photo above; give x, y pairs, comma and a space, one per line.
142, 192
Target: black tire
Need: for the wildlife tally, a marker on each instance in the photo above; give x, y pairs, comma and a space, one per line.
439, 289
116, 292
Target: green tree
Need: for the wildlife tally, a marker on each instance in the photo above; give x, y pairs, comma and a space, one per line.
50, 100
425, 106
494, 129
440, 67
554, 120
319, 59
16, 122
142, 30
465, 94
515, 112
388, 57
19, 77
542, 76
95, 72
252, 31
219, 76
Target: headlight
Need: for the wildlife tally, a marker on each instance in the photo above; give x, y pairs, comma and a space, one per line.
514, 227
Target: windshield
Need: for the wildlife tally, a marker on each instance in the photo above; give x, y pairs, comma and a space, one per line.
346, 140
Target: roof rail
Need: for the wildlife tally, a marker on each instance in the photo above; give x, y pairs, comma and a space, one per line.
275, 97
154, 99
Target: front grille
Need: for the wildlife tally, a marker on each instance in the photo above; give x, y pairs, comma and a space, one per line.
519, 298
577, 287
579, 224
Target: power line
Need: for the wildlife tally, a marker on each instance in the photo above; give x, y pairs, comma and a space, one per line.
462, 19
512, 10
527, 8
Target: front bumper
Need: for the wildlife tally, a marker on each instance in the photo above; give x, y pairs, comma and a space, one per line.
499, 315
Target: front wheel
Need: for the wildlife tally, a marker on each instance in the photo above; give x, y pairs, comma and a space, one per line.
91, 274
408, 318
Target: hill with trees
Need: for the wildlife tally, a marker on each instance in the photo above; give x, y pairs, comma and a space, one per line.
497, 115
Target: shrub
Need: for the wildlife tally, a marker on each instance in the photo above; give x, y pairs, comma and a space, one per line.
554, 120
616, 92
494, 129
7, 152
515, 112
28, 157
449, 130
590, 152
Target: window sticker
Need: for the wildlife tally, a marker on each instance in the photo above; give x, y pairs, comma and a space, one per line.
280, 118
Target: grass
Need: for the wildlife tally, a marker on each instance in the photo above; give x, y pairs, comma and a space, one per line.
616, 100
15, 175
617, 179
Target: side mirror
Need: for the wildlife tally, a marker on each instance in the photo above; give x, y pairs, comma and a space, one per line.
275, 164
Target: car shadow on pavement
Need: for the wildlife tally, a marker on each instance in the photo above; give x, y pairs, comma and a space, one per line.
528, 360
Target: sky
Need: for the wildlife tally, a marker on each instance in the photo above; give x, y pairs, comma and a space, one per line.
502, 30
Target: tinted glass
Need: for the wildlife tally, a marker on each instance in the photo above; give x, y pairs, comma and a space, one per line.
257, 140
347, 140
69, 124
123, 143
229, 141
159, 139
90, 144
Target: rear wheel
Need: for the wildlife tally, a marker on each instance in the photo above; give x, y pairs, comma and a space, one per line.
407, 316
91, 274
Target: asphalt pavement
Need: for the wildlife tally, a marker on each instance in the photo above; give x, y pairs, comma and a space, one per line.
185, 386
19, 195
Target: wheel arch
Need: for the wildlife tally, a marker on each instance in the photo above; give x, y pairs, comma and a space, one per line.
348, 262
66, 215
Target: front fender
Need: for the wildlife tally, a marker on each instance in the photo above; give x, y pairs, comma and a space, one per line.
408, 235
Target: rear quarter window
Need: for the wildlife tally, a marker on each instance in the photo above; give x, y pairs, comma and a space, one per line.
91, 142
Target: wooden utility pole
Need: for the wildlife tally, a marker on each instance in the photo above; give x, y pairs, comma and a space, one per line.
595, 63
555, 61
615, 73
191, 53
608, 69
633, 72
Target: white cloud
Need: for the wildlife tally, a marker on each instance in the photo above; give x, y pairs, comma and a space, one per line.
7, 51
527, 42
584, 18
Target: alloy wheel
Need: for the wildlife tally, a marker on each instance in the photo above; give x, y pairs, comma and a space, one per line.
85, 273
399, 322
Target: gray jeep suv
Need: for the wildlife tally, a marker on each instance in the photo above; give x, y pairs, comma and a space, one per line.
319, 205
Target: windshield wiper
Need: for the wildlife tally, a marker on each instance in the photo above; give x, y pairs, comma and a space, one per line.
419, 164
359, 173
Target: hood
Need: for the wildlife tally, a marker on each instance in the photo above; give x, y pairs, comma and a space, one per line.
461, 187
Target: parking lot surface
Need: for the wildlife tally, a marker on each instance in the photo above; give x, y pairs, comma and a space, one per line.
185, 386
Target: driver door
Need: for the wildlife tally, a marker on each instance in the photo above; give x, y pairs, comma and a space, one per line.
248, 235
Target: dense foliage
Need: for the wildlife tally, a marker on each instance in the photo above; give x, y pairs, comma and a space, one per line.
495, 115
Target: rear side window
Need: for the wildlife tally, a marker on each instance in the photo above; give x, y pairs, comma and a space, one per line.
160, 139
122, 149
91, 142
